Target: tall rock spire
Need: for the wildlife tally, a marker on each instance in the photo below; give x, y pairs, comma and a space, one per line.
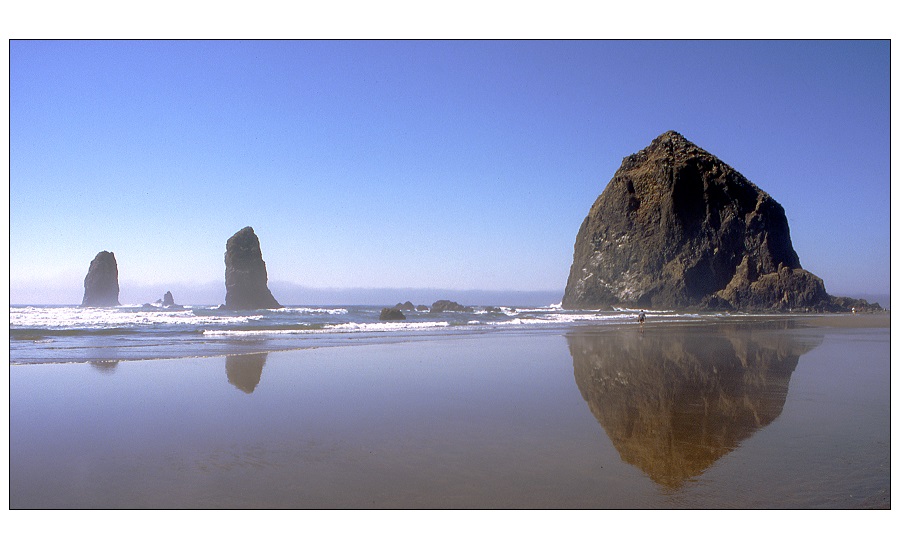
246, 280
101, 285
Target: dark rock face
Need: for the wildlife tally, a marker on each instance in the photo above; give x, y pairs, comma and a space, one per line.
168, 300
678, 228
443, 305
391, 313
408, 306
245, 274
422, 307
101, 285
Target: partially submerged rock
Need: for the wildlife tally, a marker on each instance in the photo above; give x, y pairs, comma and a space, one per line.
391, 313
167, 302
246, 280
443, 305
101, 285
408, 306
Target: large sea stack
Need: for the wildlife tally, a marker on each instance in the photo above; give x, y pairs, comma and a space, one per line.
678, 228
101, 285
245, 274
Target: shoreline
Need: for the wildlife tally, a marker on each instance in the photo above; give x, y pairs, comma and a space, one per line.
654, 322
573, 418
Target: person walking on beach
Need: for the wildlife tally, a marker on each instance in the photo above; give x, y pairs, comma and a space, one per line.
641, 318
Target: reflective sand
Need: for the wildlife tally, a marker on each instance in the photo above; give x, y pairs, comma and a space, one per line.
746, 415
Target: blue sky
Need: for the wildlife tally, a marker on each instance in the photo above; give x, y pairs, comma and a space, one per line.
463, 165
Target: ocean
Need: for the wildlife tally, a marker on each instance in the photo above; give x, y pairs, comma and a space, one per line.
59, 334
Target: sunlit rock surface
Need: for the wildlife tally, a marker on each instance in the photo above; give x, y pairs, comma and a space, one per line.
677, 228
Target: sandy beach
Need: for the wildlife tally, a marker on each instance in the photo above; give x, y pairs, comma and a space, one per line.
744, 413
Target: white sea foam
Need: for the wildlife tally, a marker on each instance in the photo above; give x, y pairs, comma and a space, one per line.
345, 328
113, 317
557, 319
313, 310
648, 311
385, 326
255, 333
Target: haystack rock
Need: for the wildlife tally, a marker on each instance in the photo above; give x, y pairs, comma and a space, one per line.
246, 280
678, 228
101, 285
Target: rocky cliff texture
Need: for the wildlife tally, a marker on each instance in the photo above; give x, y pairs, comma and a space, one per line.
678, 228
674, 404
101, 285
246, 280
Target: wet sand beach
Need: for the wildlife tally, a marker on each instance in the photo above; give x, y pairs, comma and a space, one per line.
745, 413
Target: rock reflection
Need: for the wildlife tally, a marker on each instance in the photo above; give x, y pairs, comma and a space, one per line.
675, 400
245, 371
105, 366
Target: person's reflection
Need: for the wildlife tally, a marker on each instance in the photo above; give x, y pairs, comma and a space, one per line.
105, 366
676, 400
244, 371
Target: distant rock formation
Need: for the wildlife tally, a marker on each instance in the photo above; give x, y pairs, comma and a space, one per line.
245, 274
443, 305
101, 285
408, 306
168, 300
391, 313
678, 228
422, 308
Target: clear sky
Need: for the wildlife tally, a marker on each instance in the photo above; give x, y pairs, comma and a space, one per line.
420, 164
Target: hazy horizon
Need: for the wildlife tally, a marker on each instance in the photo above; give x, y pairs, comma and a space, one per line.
287, 293
213, 293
